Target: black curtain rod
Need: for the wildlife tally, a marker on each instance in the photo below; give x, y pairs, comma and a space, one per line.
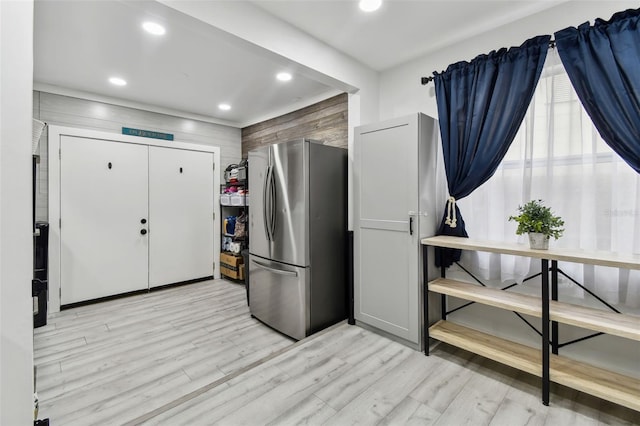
427, 80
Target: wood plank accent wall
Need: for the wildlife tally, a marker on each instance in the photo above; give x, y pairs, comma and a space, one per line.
326, 121
87, 114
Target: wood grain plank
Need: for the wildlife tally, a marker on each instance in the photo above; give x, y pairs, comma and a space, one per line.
522, 401
343, 390
306, 111
318, 349
410, 412
310, 411
594, 319
109, 113
488, 296
454, 369
603, 258
223, 400
318, 119
596, 381
568, 408
382, 397
326, 121
287, 395
509, 353
623, 325
479, 400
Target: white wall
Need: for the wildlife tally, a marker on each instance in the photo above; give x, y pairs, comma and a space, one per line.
94, 115
16, 256
401, 92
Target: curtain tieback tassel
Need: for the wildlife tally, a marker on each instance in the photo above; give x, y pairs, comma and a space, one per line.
451, 213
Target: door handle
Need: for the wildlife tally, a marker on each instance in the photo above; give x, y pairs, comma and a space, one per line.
265, 217
143, 231
264, 203
273, 200
143, 221
274, 270
410, 225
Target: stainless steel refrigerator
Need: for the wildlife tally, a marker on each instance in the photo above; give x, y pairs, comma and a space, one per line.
298, 228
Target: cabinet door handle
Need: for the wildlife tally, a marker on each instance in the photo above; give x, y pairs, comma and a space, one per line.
143, 231
410, 225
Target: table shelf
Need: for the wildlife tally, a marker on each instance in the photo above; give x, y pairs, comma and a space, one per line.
602, 258
622, 325
581, 376
600, 382
521, 303
504, 351
605, 384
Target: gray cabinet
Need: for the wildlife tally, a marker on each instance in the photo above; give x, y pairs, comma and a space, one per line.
394, 186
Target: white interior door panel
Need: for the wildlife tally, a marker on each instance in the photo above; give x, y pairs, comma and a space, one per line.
103, 199
181, 215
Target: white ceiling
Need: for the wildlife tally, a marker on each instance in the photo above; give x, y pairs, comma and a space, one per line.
400, 30
78, 45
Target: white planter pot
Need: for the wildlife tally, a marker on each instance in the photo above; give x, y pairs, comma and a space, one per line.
538, 241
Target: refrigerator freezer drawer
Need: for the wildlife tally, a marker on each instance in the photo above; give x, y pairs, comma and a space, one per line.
278, 296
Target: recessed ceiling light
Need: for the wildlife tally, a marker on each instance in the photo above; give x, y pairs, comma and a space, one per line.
154, 28
117, 81
370, 5
224, 107
283, 76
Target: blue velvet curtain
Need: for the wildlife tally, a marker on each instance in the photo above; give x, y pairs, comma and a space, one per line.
481, 105
603, 64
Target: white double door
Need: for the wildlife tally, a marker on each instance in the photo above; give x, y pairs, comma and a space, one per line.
132, 217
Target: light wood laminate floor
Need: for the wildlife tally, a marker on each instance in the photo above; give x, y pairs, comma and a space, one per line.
192, 355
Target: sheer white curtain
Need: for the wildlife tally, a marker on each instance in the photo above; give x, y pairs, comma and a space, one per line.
559, 157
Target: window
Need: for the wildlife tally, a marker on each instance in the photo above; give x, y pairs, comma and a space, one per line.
559, 157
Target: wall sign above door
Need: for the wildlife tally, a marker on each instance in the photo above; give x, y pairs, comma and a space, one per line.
147, 134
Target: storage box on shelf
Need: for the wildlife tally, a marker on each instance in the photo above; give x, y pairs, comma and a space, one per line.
232, 266
237, 199
596, 381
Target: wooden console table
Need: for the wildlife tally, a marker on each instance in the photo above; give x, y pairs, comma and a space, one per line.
551, 367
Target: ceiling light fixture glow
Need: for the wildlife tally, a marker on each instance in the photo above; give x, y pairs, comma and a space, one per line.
117, 81
224, 107
154, 28
370, 5
284, 76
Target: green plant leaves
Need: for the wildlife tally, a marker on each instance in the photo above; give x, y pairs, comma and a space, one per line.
535, 217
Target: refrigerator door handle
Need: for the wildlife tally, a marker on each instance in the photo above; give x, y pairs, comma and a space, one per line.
274, 270
272, 199
265, 202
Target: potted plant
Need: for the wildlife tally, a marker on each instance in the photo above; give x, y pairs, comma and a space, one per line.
539, 222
